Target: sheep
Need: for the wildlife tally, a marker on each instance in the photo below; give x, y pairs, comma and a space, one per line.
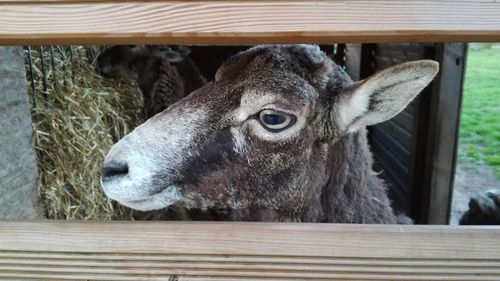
484, 209
164, 75
280, 135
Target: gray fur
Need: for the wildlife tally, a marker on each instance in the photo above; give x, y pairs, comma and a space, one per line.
318, 170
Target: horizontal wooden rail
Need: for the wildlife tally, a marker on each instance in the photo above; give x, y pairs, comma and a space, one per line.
246, 251
246, 22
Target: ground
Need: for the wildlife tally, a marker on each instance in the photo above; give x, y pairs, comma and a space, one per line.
478, 165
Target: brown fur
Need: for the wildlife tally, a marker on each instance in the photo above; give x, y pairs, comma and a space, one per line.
319, 170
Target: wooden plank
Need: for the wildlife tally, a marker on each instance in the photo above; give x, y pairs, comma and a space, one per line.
246, 251
397, 134
405, 119
393, 147
353, 61
399, 172
397, 192
410, 51
443, 128
359, 60
246, 22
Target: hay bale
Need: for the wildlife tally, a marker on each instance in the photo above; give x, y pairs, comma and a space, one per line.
77, 116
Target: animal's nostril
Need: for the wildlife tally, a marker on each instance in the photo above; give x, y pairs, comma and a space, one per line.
113, 169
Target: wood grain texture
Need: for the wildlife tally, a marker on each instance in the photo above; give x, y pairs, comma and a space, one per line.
246, 22
443, 128
246, 251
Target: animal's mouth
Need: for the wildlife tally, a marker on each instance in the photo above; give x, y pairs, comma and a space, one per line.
137, 186
159, 200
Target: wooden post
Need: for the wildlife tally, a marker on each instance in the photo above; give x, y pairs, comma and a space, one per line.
18, 166
359, 60
443, 114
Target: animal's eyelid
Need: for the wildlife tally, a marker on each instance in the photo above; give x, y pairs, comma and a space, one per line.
273, 106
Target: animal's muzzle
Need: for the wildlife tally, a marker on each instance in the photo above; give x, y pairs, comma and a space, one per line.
114, 170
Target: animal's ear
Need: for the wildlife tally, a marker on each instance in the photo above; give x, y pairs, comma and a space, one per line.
382, 95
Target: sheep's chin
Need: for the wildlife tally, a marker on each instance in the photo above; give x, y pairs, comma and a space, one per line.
165, 198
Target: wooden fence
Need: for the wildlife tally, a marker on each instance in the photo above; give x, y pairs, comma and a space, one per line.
246, 251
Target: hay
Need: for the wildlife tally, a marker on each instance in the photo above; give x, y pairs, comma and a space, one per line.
76, 120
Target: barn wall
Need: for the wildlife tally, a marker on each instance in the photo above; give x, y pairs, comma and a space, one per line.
18, 169
393, 142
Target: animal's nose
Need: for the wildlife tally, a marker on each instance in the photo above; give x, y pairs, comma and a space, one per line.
114, 170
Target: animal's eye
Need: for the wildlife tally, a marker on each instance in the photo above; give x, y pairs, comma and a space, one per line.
274, 120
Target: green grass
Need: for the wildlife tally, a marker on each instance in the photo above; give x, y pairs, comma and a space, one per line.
480, 120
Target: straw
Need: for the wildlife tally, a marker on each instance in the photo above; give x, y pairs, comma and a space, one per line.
76, 121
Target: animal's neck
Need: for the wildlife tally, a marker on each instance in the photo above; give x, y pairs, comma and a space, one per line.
352, 192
